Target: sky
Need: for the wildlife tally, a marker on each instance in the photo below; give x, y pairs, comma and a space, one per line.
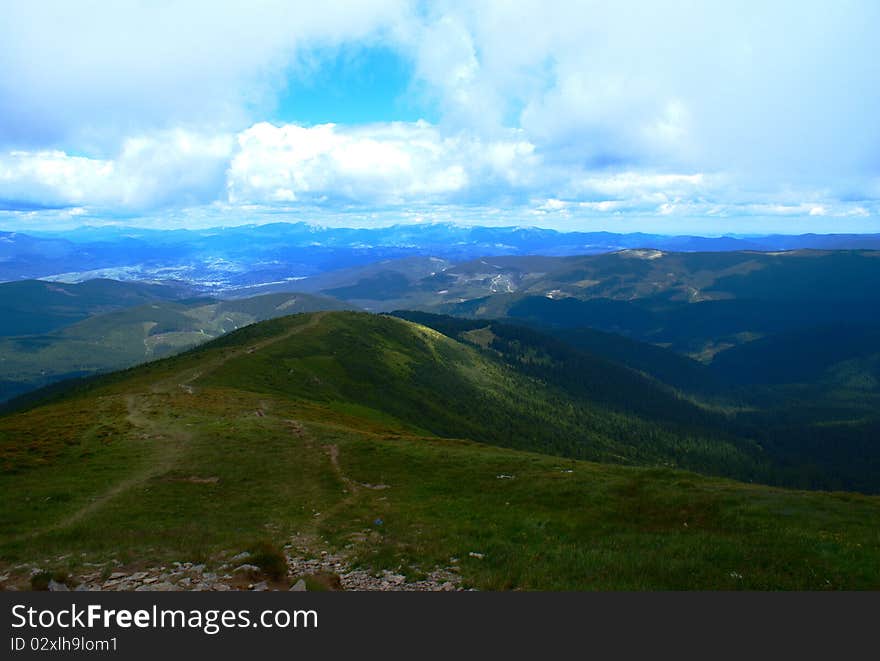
670, 117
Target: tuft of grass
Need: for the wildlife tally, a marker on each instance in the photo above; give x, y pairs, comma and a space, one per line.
40, 581
270, 559
323, 582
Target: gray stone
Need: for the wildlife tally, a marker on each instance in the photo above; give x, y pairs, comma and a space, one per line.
55, 586
156, 587
251, 569
299, 586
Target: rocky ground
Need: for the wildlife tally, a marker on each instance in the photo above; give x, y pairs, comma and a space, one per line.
306, 570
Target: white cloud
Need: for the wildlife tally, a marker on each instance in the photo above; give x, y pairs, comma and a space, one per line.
391, 165
53, 177
383, 163
783, 89
91, 72
169, 167
633, 183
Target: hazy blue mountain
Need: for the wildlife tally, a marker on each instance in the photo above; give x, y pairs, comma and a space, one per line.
225, 260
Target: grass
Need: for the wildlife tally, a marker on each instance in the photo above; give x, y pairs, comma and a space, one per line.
195, 476
270, 559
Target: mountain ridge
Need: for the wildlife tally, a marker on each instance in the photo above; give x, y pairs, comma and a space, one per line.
273, 432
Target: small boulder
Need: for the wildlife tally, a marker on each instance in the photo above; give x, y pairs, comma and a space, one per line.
55, 586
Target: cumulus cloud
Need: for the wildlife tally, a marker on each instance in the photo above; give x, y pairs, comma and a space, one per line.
94, 71
384, 163
396, 164
171, 167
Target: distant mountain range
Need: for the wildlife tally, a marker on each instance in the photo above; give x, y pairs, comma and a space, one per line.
224, 260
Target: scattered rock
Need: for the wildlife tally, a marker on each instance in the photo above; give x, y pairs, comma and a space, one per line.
246, 569
156, 587
314, 569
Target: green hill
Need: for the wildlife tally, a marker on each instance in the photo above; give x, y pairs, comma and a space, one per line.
343, 431
435, 384
132, 335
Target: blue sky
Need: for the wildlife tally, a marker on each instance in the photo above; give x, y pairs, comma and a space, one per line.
351, 85
697, 117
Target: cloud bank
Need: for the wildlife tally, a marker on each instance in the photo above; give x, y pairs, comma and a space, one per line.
550, 114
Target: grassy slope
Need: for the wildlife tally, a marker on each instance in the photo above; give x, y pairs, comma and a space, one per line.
109, 473
432, 382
